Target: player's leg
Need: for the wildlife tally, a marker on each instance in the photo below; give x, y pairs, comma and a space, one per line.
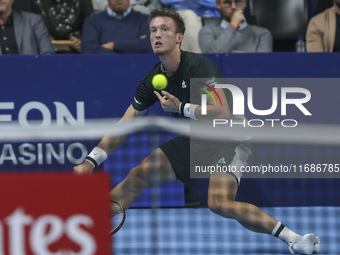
154, 169
221, 200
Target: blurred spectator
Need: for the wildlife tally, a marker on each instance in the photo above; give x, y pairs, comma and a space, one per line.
64, 20
22, 5
200, 7
118, 29
99, 5
22, 32
323, 32
322, 5
190, 11
234, 34
143, 6
193, 23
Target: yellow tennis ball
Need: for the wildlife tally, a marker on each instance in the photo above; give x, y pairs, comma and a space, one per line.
159, 81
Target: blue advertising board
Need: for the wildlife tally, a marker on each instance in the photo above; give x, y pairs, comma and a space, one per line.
71, 89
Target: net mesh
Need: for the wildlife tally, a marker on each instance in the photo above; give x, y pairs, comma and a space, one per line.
170, 218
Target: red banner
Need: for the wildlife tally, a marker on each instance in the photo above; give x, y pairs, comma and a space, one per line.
45, 214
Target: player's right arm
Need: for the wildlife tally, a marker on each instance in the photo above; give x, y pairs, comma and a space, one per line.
107, 145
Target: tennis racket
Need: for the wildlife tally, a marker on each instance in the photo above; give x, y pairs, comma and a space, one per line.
118, 216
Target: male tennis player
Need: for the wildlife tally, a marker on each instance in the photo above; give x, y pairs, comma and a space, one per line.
172, 159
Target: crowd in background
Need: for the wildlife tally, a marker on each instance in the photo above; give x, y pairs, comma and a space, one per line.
121, 26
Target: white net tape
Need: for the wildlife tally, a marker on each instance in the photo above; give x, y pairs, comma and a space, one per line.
94, 129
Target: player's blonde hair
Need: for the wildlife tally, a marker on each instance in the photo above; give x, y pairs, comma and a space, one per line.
163, 12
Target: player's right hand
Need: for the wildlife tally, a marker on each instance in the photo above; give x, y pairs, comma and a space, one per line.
84, 168
169, 102
237, 18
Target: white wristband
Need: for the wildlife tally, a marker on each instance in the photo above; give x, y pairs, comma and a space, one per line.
189, 110
87, 159
96, 157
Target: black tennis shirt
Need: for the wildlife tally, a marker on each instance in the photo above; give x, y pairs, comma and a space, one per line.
184, 152
191, 66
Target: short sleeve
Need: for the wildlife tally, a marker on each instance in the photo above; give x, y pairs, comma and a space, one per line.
144, 96
204, 68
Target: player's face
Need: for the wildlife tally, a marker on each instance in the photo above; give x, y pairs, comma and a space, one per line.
6, 6
119, 6
229, 7
163, 35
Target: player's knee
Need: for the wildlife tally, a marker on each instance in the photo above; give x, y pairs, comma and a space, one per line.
138, 179
223, 207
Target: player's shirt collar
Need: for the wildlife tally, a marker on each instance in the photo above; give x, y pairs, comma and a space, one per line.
113, 14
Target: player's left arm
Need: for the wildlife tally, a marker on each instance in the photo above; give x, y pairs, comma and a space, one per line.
215, 108
217, 105
170, 103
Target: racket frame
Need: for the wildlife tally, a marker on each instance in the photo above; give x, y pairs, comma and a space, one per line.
121, 223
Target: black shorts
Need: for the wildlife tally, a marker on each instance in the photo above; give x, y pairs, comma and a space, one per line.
177, 151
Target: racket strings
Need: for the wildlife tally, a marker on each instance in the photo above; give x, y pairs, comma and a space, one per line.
116, 209
118, 216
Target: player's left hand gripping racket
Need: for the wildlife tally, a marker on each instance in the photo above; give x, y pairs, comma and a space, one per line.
118, 216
